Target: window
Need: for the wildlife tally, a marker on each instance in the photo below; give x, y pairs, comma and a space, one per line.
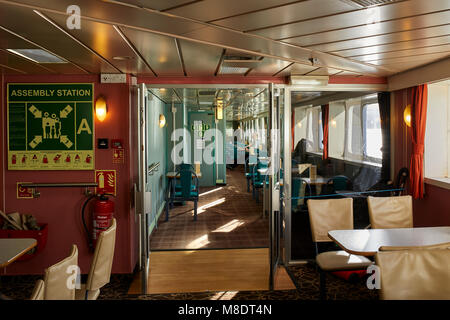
314, 130
437, 135
372, 132
354, 136
336, 129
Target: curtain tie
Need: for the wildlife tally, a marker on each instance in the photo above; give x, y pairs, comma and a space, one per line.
418, 148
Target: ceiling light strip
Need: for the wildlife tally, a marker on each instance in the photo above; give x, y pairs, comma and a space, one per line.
41, 47
53, 23
18, 54
133, 48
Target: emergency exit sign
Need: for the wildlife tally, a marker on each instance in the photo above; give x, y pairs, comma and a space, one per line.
50, 126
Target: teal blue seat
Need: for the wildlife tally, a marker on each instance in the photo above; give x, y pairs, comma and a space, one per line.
187, 186
258, 180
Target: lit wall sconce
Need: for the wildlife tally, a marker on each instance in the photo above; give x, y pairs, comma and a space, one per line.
101, 109
333, 123
162, 121
219, 109
407, 115
299, 124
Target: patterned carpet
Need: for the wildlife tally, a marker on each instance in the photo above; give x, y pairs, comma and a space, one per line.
228, 217
305, 277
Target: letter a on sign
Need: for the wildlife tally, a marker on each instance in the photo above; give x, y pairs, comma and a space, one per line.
74, 20
84, 126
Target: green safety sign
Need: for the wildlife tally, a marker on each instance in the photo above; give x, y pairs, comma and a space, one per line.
50, 126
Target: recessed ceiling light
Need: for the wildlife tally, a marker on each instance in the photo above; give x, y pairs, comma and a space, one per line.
122, 58
37, 55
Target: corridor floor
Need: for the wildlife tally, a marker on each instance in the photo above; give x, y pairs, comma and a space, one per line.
228, 217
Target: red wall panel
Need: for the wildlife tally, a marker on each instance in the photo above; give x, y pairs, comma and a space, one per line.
61, 207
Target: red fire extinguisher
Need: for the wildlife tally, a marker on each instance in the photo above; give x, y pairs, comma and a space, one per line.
101, 218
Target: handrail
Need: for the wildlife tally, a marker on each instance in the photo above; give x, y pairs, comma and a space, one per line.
60, 185
153, 167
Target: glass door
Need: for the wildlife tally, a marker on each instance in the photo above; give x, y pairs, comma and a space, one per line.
275, 179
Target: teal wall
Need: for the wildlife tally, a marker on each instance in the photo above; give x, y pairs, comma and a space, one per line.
181, 118
156, 145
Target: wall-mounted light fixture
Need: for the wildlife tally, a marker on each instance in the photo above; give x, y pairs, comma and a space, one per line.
308, 80
101, 110
219, 109
407, 115
162, 121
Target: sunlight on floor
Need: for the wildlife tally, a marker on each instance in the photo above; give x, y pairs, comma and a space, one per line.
230, 226
198, 243
210, 191
224, 295
209, 205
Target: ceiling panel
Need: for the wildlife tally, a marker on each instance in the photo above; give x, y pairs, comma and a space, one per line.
323, 72
424, 59
22, 64
209, 10
44, 34
356, 18
107, 42
284, 14
159, 51
298, 69
9, 41
395, 46
373, 29
4, 69
200, 59
268, 67
405, 53
155, 4
383, 39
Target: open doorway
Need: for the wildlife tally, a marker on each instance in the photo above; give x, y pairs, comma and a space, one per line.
219, 132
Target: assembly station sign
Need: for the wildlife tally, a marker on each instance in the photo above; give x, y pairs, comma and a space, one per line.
50, 126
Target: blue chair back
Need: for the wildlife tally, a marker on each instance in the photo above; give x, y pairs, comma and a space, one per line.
186, 173
340, 183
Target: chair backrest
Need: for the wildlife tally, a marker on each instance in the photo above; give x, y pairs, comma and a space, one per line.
299, 189
329, 214
414, 274
186, 173
390, 212
56, 278
38, 291
340, 182
100, 271
401, 179
432, 246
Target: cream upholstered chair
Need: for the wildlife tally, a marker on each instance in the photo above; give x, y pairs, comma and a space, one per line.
38, 291
56, 278
326, 215
100, 271
414, 274
390, 212
445, 245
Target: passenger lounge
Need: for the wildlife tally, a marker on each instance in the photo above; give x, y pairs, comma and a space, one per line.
225, 150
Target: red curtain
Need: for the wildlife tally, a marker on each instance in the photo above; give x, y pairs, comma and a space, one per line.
325, 111
418, 125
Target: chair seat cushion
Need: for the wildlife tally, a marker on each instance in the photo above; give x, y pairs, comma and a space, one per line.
80, 294
341, 260
178, 188
192, 194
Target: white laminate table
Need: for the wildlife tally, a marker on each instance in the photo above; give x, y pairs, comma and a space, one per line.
366, 242
13, 248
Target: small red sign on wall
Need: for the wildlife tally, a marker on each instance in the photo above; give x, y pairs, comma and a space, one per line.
24, 193
106, 180
118, 156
